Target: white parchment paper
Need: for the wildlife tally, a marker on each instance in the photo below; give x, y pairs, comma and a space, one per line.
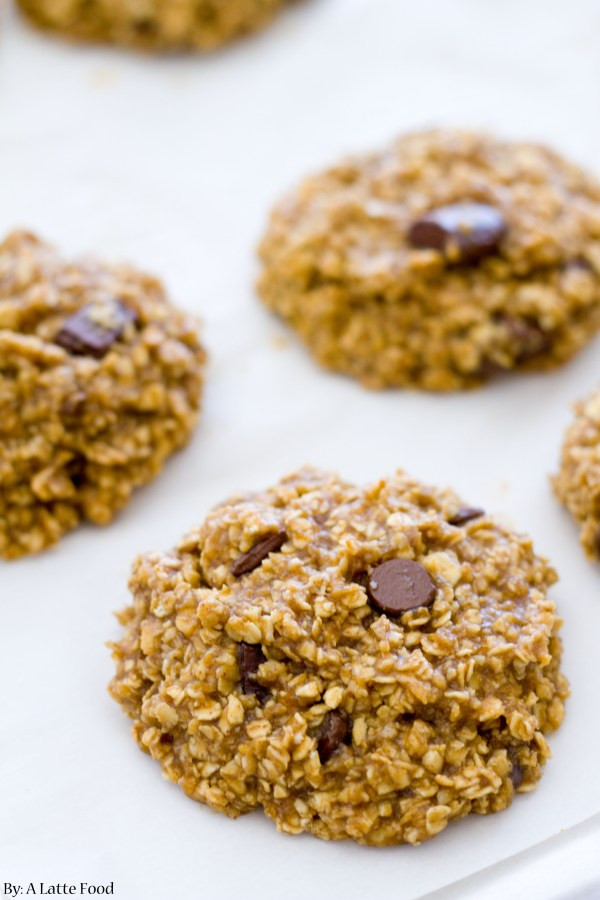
172, 164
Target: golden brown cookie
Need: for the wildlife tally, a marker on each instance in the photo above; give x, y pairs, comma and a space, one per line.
438, 262
100, 381
577, 484
153, 24
364, 663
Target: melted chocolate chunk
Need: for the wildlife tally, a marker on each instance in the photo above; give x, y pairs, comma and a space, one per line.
399, 585
578, 262
76, 470
250, 656
465, 514
516, 775
94, 328
251, 560
333, 733
465, 232
489, 368
530, 338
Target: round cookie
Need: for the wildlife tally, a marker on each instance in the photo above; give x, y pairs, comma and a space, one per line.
153, 24
364, 663
444, 259
100, 381
577, 484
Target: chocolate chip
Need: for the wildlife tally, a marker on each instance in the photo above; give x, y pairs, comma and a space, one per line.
249, 561
333, 733
399, 585
405, 792
250, 656
489, 368
465, 514
465, 232
76, 469
516, 775
530, 339
94, 328
578, 262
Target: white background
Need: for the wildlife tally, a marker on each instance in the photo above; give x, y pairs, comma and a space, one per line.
172, 164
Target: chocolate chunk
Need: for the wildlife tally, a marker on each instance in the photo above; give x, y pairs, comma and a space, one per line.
94, 328
465, 514
250, 656
333, 733
399, 585
75, 470
530, 339
465, 232
490, 368
578, 262
516, 775
249, 561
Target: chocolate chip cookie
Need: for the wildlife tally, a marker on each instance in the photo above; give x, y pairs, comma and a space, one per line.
577, 484
100, 381
444, 259
364, 663
153, 24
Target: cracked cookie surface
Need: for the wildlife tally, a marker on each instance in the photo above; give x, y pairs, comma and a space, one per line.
100, 381
158, 25
577, 484
439, 262
260, 671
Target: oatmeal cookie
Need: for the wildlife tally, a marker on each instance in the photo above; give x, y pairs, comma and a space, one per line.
438, 262
100, 381
577, 484
364, 663
153, 24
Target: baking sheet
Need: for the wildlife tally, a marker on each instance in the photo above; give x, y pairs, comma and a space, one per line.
172, 164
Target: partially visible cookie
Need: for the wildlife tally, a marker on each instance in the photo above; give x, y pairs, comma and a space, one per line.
577, 484
100, 381
361, 662
153, 24
438, 262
